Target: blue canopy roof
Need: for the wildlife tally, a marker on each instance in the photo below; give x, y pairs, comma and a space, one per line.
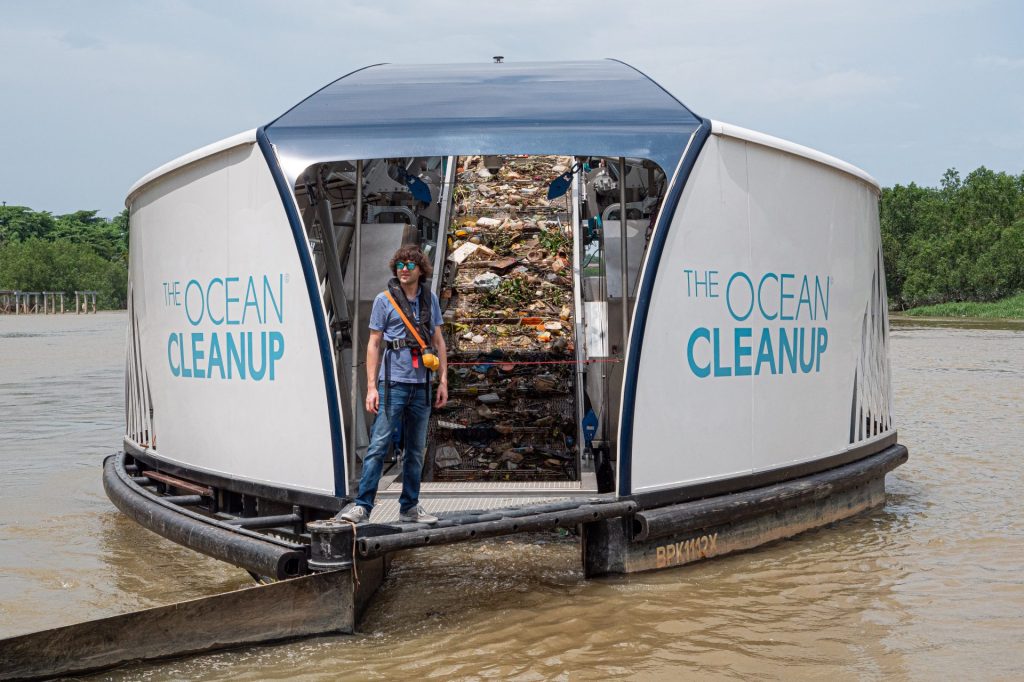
595, 108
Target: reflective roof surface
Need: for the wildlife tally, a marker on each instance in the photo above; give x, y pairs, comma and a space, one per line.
597, 108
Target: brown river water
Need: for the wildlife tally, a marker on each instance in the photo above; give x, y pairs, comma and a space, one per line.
930, 586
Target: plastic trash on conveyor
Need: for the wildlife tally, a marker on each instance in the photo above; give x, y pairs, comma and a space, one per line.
508, 296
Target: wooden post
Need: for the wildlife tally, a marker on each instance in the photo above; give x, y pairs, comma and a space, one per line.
62, 303
78, 310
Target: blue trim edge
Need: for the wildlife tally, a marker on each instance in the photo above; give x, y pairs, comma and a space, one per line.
322, 335
321, 89
643, 303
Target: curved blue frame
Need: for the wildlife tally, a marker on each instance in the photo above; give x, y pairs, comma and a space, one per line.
322, 335
614, 110
605, 107
643, 304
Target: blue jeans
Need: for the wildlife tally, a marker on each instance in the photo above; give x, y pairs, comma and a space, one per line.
406, 406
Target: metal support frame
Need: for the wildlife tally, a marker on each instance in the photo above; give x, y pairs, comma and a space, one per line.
578, 328
335, 283
374, 212
623, 254
354, 335
447, 187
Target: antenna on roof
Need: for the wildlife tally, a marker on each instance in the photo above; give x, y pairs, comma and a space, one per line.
498, 59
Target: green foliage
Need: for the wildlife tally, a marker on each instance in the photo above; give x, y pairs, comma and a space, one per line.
1007, 308
513, 291
77, 251
19, 222
554, 240
962, 241
109, 239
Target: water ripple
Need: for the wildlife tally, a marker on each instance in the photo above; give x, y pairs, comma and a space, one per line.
927, 587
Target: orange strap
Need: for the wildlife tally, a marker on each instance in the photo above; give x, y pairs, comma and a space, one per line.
408, 325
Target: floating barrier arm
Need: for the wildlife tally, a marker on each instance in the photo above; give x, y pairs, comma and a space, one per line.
311, 605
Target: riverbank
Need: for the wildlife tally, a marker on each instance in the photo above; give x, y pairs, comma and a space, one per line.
1011, 308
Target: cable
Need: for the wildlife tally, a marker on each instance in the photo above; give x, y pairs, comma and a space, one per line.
593, 361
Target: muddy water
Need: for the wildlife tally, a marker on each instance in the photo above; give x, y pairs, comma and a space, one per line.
930, 586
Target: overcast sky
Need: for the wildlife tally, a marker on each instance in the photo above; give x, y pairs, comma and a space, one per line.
95, 94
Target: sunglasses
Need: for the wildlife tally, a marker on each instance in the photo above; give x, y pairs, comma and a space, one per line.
409, 265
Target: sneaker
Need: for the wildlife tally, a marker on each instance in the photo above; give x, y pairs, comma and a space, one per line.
417, 515
356, 514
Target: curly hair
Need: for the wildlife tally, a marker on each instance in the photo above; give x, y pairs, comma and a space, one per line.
412, 253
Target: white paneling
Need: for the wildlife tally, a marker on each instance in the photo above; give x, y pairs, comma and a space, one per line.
217, 218
686, 428
766, 212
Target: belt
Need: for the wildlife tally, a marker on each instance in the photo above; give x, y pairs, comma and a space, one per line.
398, 344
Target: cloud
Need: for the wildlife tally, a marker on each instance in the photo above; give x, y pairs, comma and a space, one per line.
80, 40
1000, 62
838, 87
136, 84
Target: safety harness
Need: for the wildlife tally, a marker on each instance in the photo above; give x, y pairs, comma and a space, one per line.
420, 331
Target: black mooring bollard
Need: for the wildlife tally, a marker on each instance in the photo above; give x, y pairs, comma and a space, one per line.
331, 544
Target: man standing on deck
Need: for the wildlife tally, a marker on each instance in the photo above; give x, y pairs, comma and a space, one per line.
405, 318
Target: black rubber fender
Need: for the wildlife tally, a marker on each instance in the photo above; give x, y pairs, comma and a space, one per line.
242, 548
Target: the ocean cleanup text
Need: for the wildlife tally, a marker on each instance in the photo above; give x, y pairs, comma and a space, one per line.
781, 323
233, 328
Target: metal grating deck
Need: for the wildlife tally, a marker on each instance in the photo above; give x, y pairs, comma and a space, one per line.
386, 509
446, 497
477, 488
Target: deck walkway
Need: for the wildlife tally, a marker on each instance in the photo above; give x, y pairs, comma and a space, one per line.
449, 497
